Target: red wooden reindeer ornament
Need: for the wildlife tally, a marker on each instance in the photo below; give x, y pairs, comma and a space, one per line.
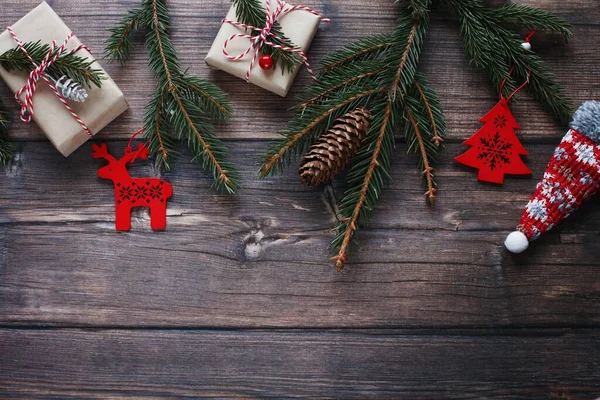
134, 192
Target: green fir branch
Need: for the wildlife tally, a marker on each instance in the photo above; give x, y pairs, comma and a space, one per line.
493, 47
418, 8
544, 87
213, 100
120, 42
408, 38
384, 69
157, 129
424, 129
433, 106
5, 147
184, 107
523, 15
315, 119
70, 64
251, 12
188, 118
366, 178
380, 70
369, 172
370, 48
358, 73
482, 48
380, 73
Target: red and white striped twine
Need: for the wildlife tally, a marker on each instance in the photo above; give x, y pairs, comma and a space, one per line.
40, 72
257, 41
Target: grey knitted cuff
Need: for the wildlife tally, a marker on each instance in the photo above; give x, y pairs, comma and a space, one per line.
586, 120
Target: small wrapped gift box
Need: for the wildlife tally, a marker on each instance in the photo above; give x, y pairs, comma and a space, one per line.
300, 26
102, 105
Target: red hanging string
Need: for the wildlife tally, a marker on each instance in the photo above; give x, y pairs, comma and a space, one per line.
133, 137
128, 148
511, 70
520, 87
529, 36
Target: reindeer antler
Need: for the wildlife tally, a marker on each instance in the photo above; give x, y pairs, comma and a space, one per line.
141, 152
101, 152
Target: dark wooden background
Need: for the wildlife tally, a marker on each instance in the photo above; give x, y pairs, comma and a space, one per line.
237, 298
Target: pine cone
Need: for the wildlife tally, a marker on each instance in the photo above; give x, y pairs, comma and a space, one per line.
71, 90
334, 150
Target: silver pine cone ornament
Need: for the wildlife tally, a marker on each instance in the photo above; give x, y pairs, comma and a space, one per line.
71, 90
333, 151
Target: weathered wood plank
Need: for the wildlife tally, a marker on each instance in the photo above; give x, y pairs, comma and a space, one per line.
465, 93
58, 278
260, 259
41, 186
211, 364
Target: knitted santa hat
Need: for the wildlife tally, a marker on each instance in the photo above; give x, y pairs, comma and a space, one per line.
572, 176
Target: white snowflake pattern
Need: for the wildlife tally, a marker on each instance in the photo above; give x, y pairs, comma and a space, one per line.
585, 153
567, 201
556, 194
537, 209
548, 176
549, 189
560, 154
568, 137
586, 179
535, 233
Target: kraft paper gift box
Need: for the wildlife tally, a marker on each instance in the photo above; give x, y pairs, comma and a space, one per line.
299, 26
102, 105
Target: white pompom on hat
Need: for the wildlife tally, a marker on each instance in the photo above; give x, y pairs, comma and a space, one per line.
516, 242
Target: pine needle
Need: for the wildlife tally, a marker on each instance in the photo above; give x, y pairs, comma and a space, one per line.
70, 64
380, 73
183, 107
77, 68
365, 49
425, 129
370, 170
523, 15
367, 173
300, 134
490, 45
251, 12
5, 148
119, 44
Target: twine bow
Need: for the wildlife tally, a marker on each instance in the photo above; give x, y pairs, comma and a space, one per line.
257, 41
40, 72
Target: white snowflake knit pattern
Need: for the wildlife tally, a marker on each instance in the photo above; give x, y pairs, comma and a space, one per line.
572, 176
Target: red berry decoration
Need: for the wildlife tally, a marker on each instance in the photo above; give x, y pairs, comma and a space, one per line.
266, 62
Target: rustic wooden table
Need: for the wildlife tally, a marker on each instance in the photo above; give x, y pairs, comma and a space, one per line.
237, 298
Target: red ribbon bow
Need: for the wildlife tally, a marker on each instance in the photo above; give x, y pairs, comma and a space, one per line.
262, 38
40, 72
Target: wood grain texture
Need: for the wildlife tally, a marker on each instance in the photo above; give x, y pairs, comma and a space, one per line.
237, 299
70, 364
260, 259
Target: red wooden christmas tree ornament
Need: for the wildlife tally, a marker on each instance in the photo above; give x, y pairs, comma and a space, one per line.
496, 149
134, 192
